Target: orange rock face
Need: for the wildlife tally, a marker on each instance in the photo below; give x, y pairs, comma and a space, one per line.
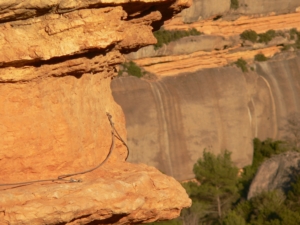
119, 193
56, 66
172, 65
230, 28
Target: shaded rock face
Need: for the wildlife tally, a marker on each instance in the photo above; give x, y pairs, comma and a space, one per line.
186, 45
276, 173
177, 117
58, 59
267, 6
202, 9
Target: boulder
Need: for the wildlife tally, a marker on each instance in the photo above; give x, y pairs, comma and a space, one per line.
275, 173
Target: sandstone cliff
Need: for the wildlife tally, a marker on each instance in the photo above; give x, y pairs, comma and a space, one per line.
222, 8
199, 99
214, 109
57, 62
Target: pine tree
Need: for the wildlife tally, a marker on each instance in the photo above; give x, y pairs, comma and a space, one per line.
233, 218
218, 190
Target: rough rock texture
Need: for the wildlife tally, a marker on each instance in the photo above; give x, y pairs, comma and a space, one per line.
190, 54
119, 193
177, 117
206, 9
178, 64
184, 46
58, 59
190, 107
236, 27
267, 6
276, 173
202, 9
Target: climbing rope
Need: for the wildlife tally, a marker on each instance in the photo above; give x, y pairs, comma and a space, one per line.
60, 178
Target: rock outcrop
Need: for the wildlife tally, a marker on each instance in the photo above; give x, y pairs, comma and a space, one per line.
119, 193
228, 28
177, 117
57, 62
276, 173
180, 64
193, 98
205, 9
201, 10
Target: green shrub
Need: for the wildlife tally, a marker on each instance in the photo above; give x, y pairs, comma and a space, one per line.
167, 36
241, 63
170, 222
132, 69
234, 4
249, 35
260, 57
266, 37
262, 150
297, 44
286, 47
293, 33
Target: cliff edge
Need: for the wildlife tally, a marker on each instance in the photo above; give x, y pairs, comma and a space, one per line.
58, 115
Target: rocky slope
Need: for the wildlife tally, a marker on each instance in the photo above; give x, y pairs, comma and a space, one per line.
57, 62
276, 174
199, 100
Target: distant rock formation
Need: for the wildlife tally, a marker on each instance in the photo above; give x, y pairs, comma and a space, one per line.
170, 121
275, 173
204, 9
201, 10
56, 65
194, 98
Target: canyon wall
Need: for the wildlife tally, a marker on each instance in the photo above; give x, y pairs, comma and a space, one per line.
203, 9
195, 98
56, 65
172, 120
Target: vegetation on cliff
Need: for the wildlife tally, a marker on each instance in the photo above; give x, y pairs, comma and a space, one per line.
252, 36
260, 57
166, 36
249, 35
241, 63
132, 69
234, 4
220, 194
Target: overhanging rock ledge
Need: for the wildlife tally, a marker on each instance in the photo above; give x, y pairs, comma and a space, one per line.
57, 62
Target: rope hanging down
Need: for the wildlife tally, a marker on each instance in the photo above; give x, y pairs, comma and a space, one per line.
114, 134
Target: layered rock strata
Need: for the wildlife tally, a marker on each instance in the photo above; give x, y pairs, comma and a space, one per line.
227, 28
119, 193
213, 109
222, 8
220, 45
194, 103
57, 62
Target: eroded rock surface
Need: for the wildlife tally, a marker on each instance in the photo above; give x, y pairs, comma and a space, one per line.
213, 109
201, 10
119, 193
276, 173
195, 99
57, 62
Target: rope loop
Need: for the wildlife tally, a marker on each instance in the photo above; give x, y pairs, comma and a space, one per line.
114, 133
